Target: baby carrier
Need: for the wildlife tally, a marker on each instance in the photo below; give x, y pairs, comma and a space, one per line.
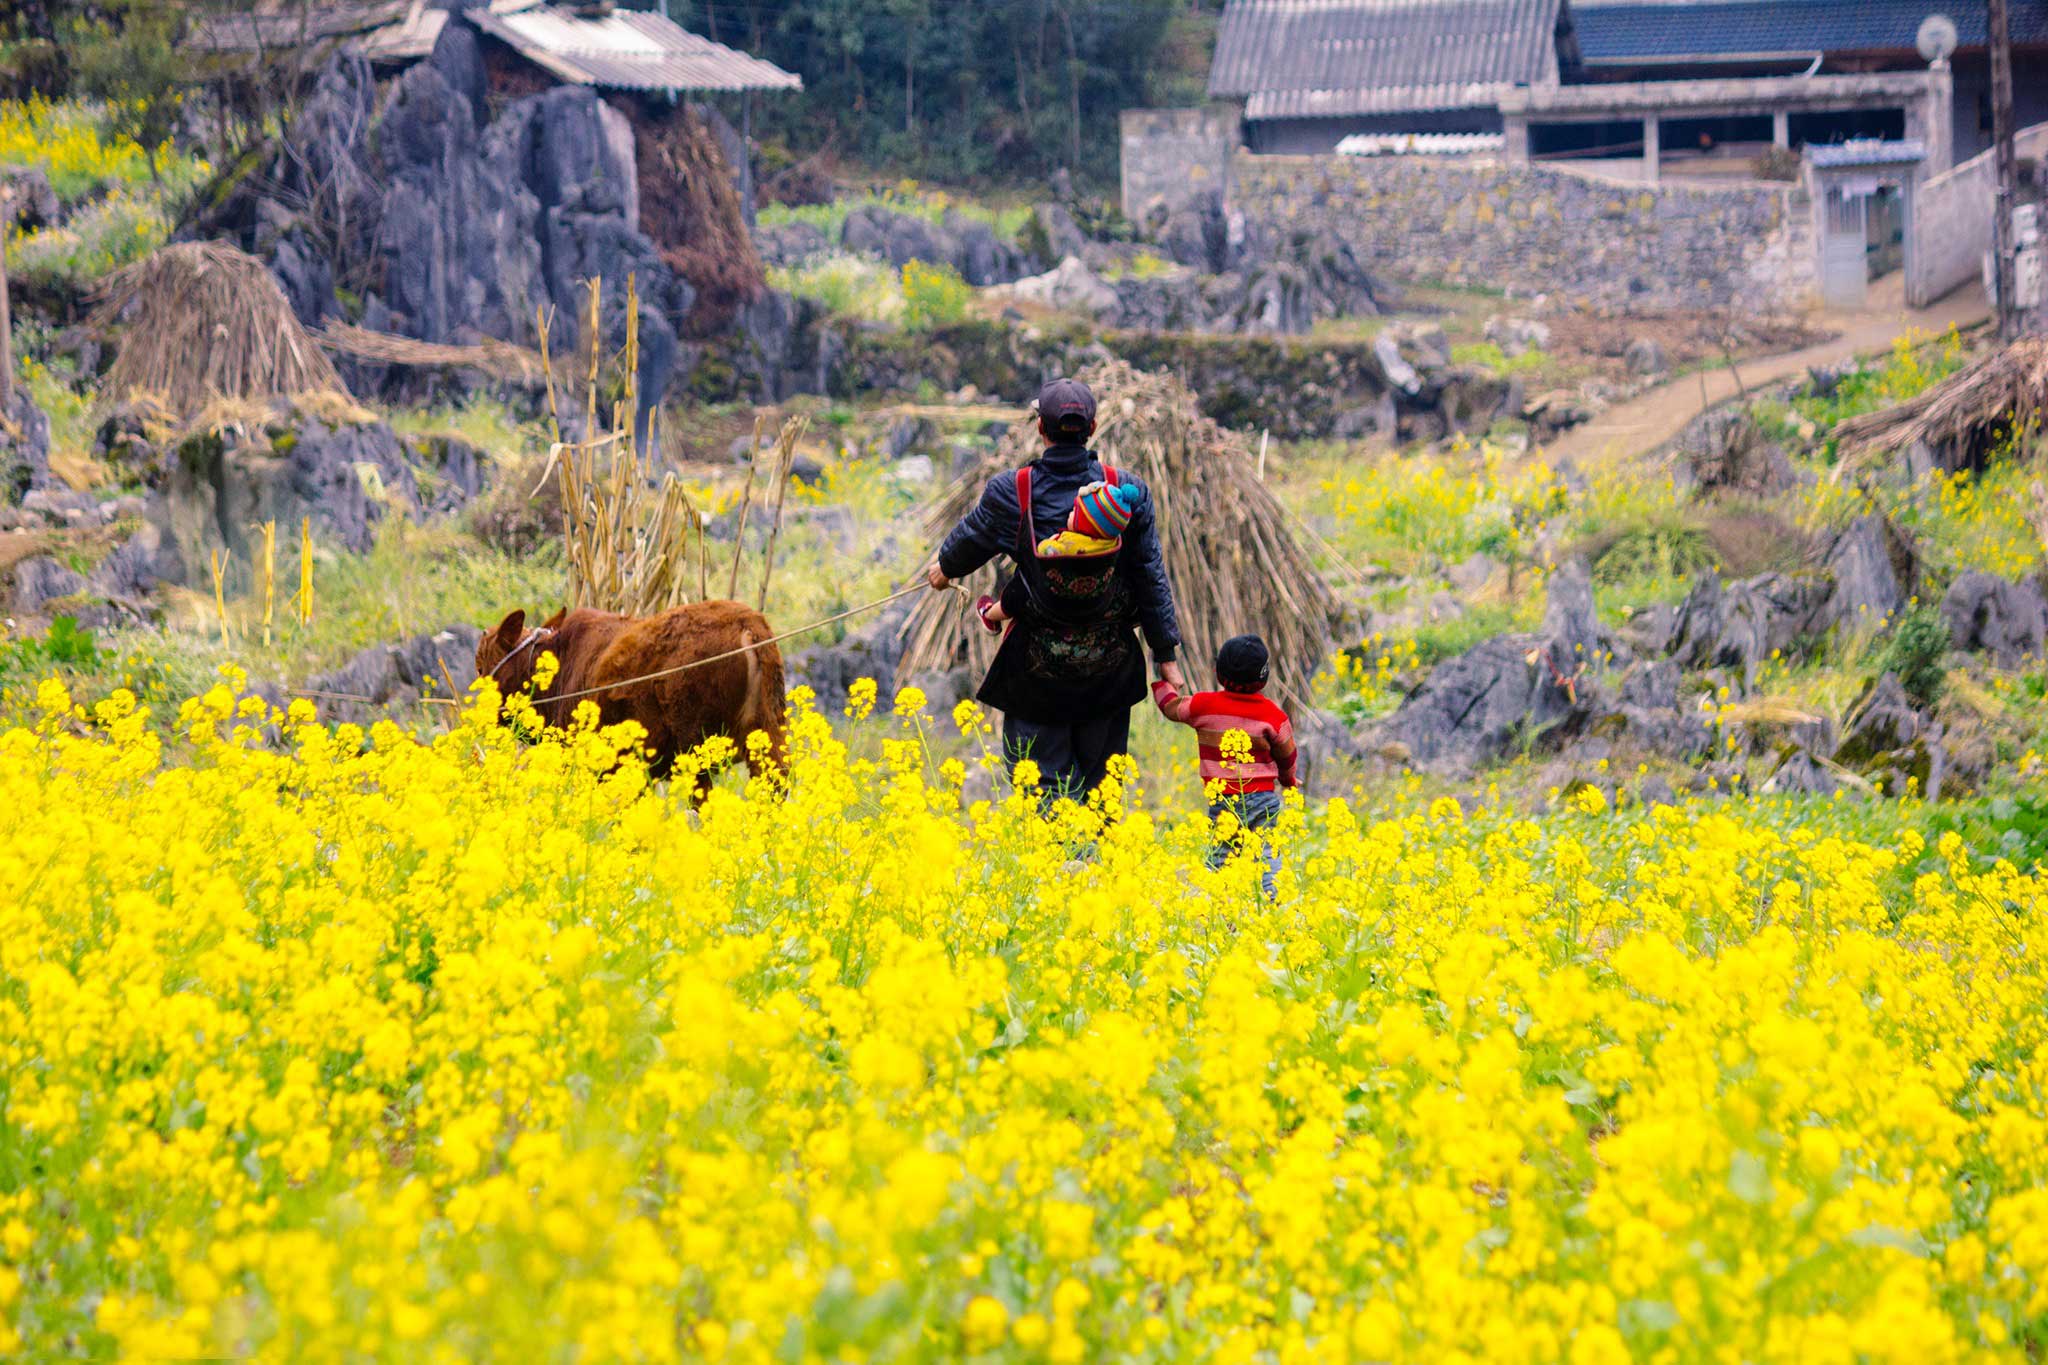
1080, 605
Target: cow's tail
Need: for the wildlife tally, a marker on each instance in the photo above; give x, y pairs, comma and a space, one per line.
763, 708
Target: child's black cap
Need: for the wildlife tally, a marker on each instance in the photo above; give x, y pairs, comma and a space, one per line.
1241, 664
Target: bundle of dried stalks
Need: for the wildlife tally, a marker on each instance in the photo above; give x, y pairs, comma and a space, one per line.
498, 359
1964, 417
1234, 563
204, 322
628, 537
689, 205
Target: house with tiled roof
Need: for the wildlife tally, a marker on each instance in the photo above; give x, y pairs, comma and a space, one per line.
1716, 78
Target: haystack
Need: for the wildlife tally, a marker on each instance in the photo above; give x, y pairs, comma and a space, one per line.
1234, 564
1964, 417
206, 322
689, 206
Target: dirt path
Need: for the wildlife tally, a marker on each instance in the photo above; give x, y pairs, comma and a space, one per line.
1648, 420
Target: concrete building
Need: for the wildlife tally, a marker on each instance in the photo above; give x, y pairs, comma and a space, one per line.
1683, 86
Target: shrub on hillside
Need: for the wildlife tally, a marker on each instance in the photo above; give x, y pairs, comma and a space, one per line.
1917, 652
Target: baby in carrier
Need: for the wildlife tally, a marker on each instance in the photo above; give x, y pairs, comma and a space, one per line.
1094, 530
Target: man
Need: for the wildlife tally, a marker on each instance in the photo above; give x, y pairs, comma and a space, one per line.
1069, 669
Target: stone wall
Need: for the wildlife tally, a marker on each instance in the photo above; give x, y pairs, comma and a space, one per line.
1541, 230
1952, 221
1174, 156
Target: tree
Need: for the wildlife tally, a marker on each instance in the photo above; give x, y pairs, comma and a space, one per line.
126, 56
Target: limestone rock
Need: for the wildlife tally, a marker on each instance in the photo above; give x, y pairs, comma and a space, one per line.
1866, 590
2007, 620
1070, 285
41, 580
1517, 336
1646, 356
24, 447
1881, 721
1739, 625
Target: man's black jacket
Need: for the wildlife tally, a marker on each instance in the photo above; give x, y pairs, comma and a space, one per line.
992, 528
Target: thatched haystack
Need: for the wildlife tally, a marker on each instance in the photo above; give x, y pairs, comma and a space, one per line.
689, 206
206, 322
1964, 417
1234, 564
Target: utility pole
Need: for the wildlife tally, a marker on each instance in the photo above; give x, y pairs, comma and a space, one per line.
2007, 169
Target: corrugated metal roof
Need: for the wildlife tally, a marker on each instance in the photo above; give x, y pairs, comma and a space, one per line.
630, 50
1315, 58
1623, 31
1866, 151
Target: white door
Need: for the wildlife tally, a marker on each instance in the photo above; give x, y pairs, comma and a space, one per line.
1844, 249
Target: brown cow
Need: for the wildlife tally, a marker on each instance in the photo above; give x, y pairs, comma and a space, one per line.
733, 696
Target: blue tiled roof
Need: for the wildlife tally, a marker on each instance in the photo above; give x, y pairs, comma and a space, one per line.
1622, 32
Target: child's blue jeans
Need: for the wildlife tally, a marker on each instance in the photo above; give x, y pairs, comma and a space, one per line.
1254, 811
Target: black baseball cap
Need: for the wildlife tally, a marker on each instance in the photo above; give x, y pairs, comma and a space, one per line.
1066, 405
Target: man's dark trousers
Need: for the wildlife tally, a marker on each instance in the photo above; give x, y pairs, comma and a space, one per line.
1071, 758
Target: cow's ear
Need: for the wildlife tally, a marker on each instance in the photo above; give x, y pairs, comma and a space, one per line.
511, 628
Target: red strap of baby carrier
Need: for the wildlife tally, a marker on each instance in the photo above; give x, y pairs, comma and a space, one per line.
1024, 507
1111, 475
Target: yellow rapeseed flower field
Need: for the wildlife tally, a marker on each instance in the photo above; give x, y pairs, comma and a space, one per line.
332, 1044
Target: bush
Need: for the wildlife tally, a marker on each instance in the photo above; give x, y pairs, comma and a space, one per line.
68, 141
933, 295
62, 646
847, 285
95, 242
1917, 653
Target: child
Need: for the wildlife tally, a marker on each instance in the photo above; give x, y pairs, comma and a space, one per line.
1094, 527
1248, 788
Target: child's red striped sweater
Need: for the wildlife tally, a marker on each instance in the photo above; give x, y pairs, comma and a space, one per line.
1215, 714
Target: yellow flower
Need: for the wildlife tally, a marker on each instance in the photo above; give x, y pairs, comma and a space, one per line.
984, 1323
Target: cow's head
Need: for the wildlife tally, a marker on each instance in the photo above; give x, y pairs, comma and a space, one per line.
506, 654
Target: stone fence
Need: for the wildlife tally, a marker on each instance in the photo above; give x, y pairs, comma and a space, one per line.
1539, 229
1952, 221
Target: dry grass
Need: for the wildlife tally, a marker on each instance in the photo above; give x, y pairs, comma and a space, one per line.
689, 205
1965, 416
1234, 564
498, 359
628, 540
205, 322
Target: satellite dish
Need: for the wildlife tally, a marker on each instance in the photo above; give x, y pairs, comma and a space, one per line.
1936, 39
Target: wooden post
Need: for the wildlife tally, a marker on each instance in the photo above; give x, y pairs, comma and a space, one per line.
6, 317
2007, 169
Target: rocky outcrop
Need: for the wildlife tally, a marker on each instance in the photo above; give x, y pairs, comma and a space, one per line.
966, 245
346, 476
2007, 620
1725, 451
387, 679
24, 447
1867, 589
1881, 721
872, 652
41, 580
446, 225
1504, 691
1739, 625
